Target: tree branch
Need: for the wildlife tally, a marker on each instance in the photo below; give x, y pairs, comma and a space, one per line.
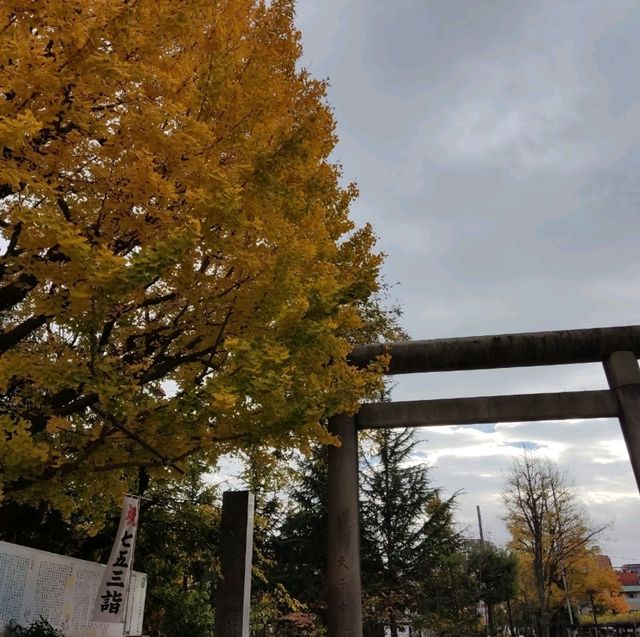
134, 436
21, 331
14, 293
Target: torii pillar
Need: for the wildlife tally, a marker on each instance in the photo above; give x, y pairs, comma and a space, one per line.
623, 374
344, 612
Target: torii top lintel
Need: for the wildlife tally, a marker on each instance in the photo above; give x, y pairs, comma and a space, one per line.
525, 349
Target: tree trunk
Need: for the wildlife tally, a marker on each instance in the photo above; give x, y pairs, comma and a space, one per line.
543, 621
490, 619
393, 626
511, 629
542, 610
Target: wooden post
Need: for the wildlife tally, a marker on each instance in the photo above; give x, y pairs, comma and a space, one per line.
236, 545
623, 375
344, 602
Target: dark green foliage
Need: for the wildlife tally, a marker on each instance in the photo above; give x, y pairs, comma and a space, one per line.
495, 573
178, 549
449, 601
39, 628
173, 610
407, 531
298, 549
44, 528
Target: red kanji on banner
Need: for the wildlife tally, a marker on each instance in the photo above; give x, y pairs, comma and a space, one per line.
131, 515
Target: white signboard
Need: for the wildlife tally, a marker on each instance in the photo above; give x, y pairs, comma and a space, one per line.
62, 590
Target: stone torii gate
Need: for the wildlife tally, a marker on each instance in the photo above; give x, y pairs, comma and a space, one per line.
617, 348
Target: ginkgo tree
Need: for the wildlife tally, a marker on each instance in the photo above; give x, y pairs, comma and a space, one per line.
551, 535
179, 274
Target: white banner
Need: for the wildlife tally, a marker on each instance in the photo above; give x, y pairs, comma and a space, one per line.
111, 602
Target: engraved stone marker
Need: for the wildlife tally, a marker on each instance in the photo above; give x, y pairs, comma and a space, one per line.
236, 539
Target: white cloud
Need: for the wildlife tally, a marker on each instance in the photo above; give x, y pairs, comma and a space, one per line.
613, 451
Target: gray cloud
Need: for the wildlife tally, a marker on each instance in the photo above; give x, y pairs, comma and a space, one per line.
497, 149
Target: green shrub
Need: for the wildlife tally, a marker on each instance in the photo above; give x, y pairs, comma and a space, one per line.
39, 628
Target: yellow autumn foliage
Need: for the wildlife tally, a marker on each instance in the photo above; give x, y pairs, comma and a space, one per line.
592, 575
179, 274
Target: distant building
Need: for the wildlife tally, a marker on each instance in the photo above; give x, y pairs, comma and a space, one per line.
630, 584
627, 579
405, 629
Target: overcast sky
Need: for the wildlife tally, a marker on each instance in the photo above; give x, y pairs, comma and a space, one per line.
496, 147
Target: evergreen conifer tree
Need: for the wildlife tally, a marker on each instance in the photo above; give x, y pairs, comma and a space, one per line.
298, 550
407, 529
408, 537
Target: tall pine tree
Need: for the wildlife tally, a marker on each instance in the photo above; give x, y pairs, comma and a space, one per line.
299, 548
407, 534
407, 529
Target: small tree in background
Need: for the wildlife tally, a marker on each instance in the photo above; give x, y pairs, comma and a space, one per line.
448, 602
495, 574
549, 531
593, 574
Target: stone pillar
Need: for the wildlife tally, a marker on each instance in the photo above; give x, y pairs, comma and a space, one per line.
623, 375
344, 602
236, 547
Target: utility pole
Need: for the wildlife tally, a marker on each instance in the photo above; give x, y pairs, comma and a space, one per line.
488, 616
480, 525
